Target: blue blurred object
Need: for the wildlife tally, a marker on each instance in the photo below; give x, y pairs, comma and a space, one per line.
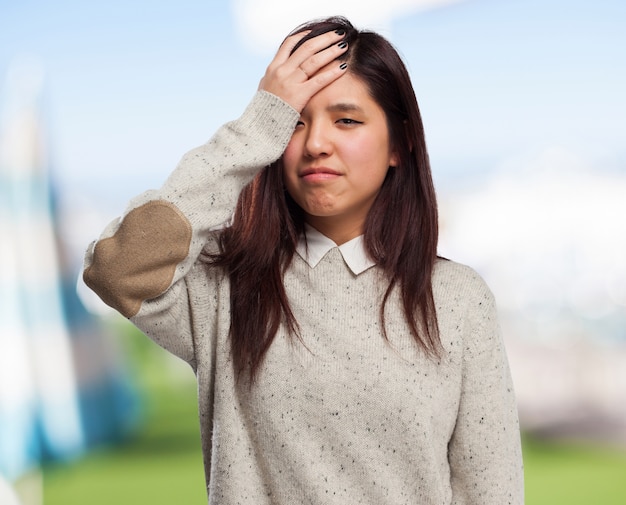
62, 386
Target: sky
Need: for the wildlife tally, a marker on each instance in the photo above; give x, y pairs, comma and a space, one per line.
130, 86
522, 101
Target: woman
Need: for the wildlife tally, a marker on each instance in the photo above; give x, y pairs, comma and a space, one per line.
338, 359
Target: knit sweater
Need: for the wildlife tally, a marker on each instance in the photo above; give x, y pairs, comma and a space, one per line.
344, 416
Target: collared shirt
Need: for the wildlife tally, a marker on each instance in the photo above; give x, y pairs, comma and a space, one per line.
314, 246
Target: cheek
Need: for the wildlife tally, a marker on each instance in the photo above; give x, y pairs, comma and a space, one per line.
366, 153
290, 158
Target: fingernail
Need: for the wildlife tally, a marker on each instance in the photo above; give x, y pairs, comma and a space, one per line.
340, 31
343, 44
343, 66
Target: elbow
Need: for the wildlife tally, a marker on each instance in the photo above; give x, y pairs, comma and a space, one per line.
139, 261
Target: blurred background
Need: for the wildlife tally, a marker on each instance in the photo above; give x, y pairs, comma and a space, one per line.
525, 116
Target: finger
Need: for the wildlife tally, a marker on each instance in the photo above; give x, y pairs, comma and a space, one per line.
288, 44
317, 61
329, 73
316, 45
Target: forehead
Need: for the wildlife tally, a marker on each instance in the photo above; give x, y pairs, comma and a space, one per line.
346, 92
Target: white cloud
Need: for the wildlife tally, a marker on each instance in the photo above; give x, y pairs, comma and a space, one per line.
263, 24
549, 235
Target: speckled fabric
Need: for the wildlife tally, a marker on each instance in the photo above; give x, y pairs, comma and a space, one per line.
343, 417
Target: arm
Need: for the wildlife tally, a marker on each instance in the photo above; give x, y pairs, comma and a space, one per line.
139, 264
485, 450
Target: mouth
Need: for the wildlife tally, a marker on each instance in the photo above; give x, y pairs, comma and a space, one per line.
313, 174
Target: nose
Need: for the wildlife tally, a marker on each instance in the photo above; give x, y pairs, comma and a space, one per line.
318, 142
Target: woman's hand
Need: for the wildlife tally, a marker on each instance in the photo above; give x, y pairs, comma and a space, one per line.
297, 77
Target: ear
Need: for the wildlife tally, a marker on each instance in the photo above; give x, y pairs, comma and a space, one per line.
394, 155
394, 159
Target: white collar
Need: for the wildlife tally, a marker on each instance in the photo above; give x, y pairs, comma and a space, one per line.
313, 246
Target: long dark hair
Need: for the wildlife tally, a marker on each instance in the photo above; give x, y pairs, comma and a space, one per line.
401, 229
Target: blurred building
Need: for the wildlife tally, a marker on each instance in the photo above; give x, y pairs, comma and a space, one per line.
549, 234
62, 386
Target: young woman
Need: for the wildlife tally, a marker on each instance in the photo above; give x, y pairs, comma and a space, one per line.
291, 261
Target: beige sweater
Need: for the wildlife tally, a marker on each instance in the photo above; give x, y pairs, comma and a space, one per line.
346, 418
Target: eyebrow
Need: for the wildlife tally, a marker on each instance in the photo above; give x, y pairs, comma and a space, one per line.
344, 107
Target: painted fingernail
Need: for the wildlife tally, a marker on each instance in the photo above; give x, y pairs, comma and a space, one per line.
343, 66
343, 44
340, 31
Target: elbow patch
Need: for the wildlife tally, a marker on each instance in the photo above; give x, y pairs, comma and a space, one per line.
139, 261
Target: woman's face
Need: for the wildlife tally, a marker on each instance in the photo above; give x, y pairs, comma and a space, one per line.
338, 157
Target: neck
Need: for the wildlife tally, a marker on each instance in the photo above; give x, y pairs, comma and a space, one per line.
336, 229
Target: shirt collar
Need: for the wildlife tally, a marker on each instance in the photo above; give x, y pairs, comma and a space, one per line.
313, 246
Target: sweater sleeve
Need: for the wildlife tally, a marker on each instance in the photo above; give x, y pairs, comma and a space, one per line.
485, 449
138, 265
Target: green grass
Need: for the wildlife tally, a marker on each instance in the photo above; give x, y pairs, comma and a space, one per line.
162, 464
573, 474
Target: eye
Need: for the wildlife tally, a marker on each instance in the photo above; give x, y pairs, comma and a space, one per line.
349, 121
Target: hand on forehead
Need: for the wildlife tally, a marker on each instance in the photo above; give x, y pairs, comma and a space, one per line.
296, 75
